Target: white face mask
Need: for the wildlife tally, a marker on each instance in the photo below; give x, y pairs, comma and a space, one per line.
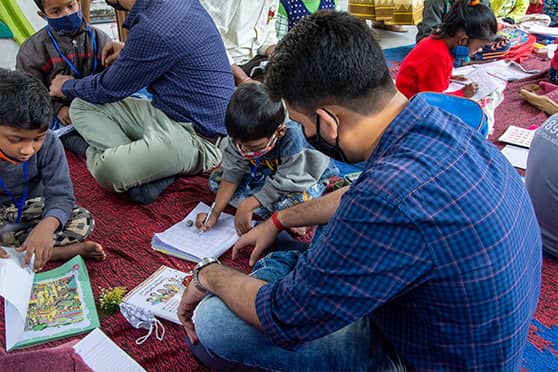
142, 318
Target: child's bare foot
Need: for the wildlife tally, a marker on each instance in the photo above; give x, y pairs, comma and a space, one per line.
298, 231
88, 250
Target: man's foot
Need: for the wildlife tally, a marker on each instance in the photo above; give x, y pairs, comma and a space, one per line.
147, 193
88, 250
394, 28
74, 142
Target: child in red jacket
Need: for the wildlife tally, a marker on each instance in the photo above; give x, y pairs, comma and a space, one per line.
467, 27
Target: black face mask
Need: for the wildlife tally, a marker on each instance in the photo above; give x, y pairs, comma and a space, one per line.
316, 141
116, 5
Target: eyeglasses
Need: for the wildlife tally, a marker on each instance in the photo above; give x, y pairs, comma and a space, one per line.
254, 154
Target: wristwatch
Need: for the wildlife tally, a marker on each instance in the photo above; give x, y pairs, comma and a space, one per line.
203, 263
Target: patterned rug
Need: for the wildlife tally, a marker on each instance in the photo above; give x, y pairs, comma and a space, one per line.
125, 230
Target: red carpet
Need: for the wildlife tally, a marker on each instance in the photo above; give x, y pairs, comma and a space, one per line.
125, 230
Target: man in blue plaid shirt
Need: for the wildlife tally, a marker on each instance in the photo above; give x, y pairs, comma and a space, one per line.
175, 50
430, 259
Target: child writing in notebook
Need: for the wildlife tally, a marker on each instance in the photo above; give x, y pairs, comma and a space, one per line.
67, 45
266, 165
467, 27
37, 210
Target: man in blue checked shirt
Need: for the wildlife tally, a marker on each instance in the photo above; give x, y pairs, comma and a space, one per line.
431, 259
175, 50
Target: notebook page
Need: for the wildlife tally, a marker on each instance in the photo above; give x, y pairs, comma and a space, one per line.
191, 240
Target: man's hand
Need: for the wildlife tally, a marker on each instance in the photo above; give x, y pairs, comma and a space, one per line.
469, 90
243, 216
239, 75
3, 253
40, 242
261, 237
190, 299
111, 52
55, 89
64, 115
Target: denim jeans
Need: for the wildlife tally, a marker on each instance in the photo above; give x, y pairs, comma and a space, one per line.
356, 347
250, 184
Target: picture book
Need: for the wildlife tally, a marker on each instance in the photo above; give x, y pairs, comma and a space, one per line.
160, 293
101, 354
184, 240
45, 306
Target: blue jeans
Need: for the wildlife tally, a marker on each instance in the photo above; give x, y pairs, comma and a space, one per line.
250, 185
356, 347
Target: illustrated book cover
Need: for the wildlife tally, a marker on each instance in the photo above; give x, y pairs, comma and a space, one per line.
160, 293
45, 306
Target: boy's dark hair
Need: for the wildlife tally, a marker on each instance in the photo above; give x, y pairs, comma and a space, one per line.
24, 101
330, 58
475, 19
40, 5
251, 114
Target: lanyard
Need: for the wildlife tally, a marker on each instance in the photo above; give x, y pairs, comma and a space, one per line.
74, 69
255, 167
19, 203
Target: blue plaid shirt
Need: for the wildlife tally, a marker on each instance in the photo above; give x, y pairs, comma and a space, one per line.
437, 241
174, 49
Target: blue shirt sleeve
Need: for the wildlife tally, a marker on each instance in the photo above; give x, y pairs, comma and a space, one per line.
144, 58
370, 252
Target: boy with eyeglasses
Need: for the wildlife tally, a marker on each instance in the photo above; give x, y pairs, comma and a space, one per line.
267, 165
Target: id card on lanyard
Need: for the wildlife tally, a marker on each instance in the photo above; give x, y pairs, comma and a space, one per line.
18, 203
68, 62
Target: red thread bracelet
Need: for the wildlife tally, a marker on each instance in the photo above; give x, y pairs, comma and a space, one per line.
276, 222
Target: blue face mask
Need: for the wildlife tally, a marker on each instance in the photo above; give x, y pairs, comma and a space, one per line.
461, 54
67, 24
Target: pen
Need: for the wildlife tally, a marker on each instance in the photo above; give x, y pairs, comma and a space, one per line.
209, 213
460, 82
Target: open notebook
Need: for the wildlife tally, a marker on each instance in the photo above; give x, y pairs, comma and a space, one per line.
186, 241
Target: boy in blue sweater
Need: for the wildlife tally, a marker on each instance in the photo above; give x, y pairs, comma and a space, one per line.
267, 165
37, 210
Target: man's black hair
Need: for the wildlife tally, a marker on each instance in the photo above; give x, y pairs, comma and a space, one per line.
476, 20
251, 114
330, 58
24, 101
40, 5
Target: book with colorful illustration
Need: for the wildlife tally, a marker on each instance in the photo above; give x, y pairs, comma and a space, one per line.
45, 306
159, 294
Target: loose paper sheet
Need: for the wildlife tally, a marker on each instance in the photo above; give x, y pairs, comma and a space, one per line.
101, 354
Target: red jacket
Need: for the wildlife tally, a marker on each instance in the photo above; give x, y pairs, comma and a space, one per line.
427, 68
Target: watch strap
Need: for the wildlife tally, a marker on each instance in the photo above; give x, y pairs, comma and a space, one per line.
203, 263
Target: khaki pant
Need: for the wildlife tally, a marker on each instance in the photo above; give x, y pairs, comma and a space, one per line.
77, 229
133, 143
